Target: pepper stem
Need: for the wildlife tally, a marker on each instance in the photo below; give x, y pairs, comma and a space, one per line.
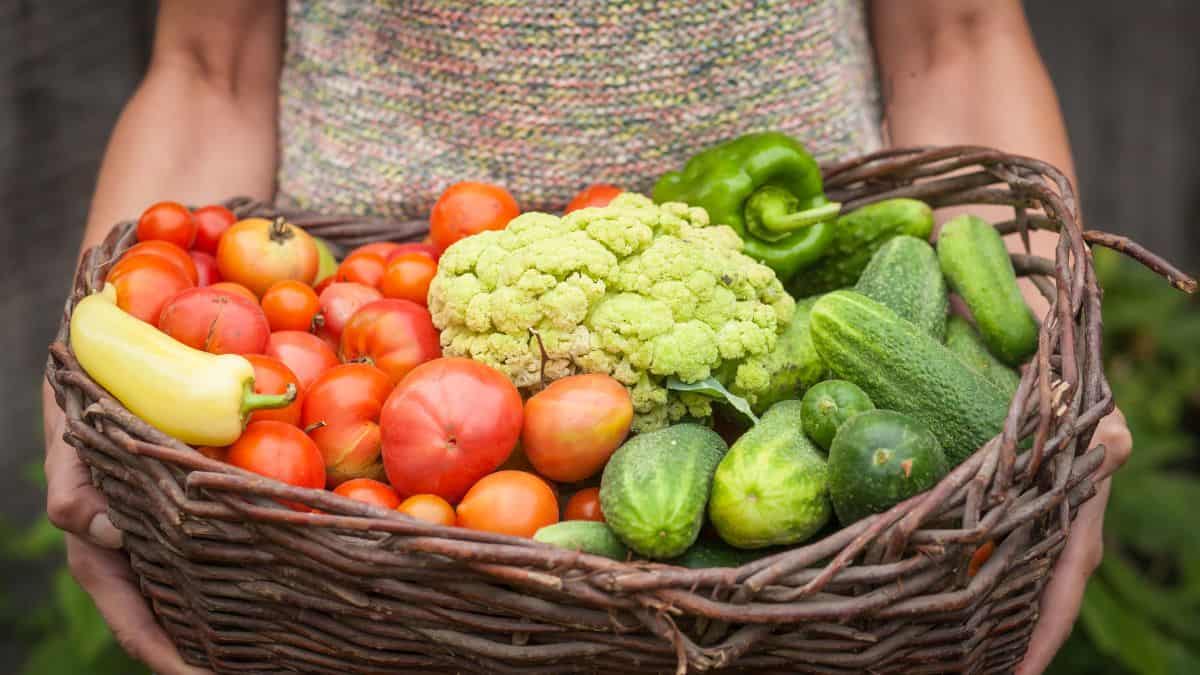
252, 401
771, 213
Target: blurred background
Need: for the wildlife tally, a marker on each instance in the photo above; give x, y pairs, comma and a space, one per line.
1128, 75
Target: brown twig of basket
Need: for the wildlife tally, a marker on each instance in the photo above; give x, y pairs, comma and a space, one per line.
244, 585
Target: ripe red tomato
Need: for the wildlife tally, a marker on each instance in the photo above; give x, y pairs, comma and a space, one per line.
429, 508
211, 223
395, 335
305, 354
234, 289
509, 502
345, 401
168, 221
584, 505
272, 377
369, 491
574, 425
415, 247
216, 322
280, 451
290, 305
257, 252
599, 194
339, 302
407, 277
468, 208
448, 423
320, 286
162, 249
145, 284
206, 268
382, 249
364, 268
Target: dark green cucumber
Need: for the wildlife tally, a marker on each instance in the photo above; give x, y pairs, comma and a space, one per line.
966, 343
903, 369
979, 269
589, 536
655, 488
905, 275
857, 236
828, 405
793, 365
880, 458
705, 554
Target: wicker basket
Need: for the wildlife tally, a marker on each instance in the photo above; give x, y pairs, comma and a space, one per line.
244, 585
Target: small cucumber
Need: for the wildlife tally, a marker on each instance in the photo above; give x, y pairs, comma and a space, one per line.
905, 275
966, 343
588, 536
828, 405
705, 554
793, 366
976, 263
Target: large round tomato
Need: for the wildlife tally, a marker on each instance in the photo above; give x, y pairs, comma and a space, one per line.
509, 502
383, 249
290, 305
395, 335
272, 377
257, 252
162, 249
235, 289
305, 354
369, 491
407, 277
339, 302
216, 322
468, 208
145, 283
364, 268
167, 221
207, 273
574, 425
342, 410
584, 505
415, 247
211, 223
280, 451
599, 194
446, 425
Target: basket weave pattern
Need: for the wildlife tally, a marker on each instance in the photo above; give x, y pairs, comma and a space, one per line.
244, 585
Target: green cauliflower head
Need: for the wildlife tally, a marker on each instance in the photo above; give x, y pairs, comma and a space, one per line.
640, 291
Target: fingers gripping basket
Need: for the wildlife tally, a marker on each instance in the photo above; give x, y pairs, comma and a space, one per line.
244, 585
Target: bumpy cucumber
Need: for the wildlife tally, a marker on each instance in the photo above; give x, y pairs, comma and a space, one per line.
704, 554
793, 365
828, 405
966, 343
905, 275
588, 536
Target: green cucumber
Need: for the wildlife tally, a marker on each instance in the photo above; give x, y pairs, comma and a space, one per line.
705, 554
878, 459
857, 236
905, 275
793, 366
655, 488
588, 536
828, 405
903, 369
979, 269
966, 343
771, 486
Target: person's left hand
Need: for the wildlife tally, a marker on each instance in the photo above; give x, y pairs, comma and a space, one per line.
1085, 547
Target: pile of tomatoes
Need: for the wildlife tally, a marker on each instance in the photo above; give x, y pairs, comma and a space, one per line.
380, 416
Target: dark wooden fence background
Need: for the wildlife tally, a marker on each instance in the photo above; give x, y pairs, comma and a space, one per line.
1128, 74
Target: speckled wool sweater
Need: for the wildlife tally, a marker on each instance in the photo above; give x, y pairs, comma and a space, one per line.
384, 103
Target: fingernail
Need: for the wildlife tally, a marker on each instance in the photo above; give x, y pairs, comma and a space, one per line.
101, 531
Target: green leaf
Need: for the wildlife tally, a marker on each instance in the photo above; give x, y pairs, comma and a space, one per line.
1121, 633
84, 624
1148, 510
39, 541
1174, 612
713, 388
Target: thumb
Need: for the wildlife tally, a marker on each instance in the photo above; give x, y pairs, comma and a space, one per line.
72, 502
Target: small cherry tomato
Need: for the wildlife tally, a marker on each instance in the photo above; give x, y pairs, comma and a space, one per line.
468, 208
509, 502
584, 505
342, 410
206, 268
290, 305
257, 252
369, 491
145, 284
382, 249
339, 301
429, 508
407, 277
574, 425
272, 377
599, 194
363, 268
211, 223
280, 451
234, 289
326, 263
167, 221
394, 335
162, 249
305, 354
415, 247
215, 322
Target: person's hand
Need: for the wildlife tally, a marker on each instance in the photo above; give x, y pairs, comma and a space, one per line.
1085, 547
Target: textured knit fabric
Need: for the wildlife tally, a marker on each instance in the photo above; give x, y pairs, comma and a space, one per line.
384, 103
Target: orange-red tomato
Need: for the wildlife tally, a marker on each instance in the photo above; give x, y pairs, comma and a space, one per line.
162, 249
211, 223
216, 322
407, 277
234, 289
468, 208
305, 354
257, 252
342, 409
584, 505
395, 335
339, 302
167, 221
415, 247
290, 305
362, 268
380, 248
599, 194
280, 451
207, 273
574, 425
272, 377
429, 508
323, 284
145, 284
369, 491
509, 502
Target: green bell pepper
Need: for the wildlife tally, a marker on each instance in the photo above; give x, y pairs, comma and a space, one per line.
766, 187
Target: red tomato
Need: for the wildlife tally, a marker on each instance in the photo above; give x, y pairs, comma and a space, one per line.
290, 305
234, 289
272, 377
468, 208
206, 268
345, 402
211, 223
382, 249
584, 505
339, 302
574, 425
407, 277
280, 451
395, 335
168, 221
320, 287
448, 423
257, 252
363, 268
415, 247
509, 502
429, 508
162, 249
599, 194
305, 354
369, 491
145, 284
216, 322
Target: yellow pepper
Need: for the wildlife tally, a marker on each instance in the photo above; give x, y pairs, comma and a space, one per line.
197, 397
